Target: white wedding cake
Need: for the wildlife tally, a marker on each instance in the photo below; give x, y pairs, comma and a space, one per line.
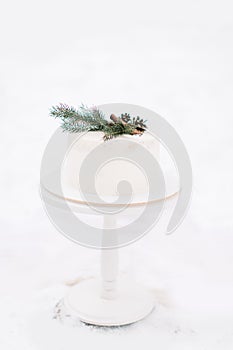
86, 148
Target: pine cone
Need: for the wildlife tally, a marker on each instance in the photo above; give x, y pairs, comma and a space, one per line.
139, 122
126, 117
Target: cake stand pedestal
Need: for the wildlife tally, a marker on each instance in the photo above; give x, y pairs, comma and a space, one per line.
112, 301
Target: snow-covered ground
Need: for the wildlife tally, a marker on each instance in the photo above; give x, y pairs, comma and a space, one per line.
173, 57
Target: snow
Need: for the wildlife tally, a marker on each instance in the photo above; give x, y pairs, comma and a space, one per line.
189, 273
178, 63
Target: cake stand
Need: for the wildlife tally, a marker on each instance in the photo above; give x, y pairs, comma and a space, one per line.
112, 300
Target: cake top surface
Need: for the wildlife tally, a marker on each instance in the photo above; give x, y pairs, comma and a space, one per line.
97, 136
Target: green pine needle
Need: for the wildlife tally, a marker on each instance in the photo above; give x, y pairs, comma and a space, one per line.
92, 119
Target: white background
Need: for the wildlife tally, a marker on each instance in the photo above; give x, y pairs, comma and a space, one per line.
174, 57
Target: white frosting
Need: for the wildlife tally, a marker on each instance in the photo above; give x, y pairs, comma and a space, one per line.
110, 174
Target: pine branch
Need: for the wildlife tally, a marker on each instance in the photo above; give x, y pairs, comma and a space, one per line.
92, 119
79, 120
116, 129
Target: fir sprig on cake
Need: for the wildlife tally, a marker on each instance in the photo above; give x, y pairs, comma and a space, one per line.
92, 119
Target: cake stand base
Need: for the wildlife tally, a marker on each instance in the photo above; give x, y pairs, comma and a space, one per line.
131, 303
